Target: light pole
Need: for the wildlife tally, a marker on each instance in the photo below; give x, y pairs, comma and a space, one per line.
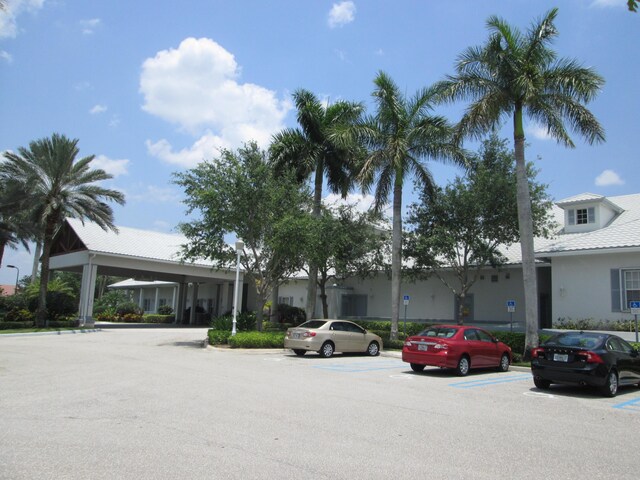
17, 276
239, 249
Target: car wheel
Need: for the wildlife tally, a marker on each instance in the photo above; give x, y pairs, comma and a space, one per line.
374, 349
327, 350
610, 388
504, 363
299, 352
416, 367
463, 366
541, 383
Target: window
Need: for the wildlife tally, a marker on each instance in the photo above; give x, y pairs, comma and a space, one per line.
146, 304
631, 287
354, 305
582, 216
286, 301
162, 302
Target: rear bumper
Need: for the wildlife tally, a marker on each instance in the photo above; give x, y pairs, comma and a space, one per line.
443, 359
595, 375
301, 344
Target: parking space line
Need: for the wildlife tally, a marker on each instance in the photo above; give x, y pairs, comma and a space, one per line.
490, 381
359, 367
633, 405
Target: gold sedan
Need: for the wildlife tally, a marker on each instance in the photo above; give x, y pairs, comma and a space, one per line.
329, 336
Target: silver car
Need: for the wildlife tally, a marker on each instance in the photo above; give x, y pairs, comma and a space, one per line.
329, 336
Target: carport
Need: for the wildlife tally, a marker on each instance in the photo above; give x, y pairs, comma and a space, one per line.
138, 254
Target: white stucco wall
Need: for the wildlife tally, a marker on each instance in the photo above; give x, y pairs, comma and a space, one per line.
582, 285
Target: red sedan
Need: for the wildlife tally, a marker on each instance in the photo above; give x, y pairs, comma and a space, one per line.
458, 347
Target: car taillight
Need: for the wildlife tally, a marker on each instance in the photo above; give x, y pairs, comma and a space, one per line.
589, 357
309, 334
408, 343
537, 352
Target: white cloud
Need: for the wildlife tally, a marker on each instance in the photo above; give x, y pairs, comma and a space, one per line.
154, 194
341, 14
13, 9
88, 27
115, 121
6, 56
113, 167
363, 203
608, 178
161, 225
96, 109
196, 87
538, 132
204, 148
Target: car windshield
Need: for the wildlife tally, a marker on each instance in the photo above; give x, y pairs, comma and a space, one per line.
441, 332
313, 324
577, 339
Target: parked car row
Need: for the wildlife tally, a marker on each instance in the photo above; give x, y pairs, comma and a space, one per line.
598, 359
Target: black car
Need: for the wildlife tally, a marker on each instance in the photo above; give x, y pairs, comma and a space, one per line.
586, 358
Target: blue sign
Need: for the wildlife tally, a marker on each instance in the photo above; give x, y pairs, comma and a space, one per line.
512, 303
406, 297
634, 304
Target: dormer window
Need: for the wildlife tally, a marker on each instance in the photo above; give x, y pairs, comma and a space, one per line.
582, 216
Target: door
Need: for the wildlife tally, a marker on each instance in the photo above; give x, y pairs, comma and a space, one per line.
488, 349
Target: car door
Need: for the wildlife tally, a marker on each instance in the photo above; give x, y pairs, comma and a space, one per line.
488, 349
340, 336
357, 342
627, 360
474, 346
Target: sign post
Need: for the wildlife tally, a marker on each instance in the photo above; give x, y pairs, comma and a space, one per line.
511, 307
635, 310
406, 302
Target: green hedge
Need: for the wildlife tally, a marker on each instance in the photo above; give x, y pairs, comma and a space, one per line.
15, 325
218, 337
257, 340
157, 318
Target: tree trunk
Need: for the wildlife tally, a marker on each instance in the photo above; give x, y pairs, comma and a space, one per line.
36, 261
42, 319
2, 244
274, 316
312, 285
396, 256
460, 312
525, 224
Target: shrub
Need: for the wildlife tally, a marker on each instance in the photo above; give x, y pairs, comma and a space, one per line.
165, 310
245, 322
289, 314
155, 318
218, 337
15, 325
257, 340
108, 315
21, 315
64, 323
131, 318
128, 308
59, 303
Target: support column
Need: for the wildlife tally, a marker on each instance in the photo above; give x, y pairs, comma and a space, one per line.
87, 290
194, 301
155, 305
182, 302
225, 300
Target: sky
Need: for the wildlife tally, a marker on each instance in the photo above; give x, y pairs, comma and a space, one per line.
151, 88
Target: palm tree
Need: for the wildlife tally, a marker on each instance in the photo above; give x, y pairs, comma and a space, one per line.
311, 150
16, 226
59, 187
514, 75
400, 137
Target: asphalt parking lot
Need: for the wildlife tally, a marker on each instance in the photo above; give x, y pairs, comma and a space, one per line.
155, 404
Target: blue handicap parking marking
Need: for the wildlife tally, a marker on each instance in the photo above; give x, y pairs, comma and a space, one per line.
491, 381
357, 367
633, 405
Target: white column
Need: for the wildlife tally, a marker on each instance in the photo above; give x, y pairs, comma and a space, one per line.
87, 290
194, 301
155, 306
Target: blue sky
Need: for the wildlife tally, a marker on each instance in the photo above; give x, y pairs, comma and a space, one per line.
153, 87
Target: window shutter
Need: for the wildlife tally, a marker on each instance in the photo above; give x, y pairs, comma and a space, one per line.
615, 290
572, 217
591, 215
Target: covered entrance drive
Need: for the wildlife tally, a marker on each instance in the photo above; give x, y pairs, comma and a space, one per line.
141, 255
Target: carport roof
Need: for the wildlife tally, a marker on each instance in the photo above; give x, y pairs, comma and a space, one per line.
127, 242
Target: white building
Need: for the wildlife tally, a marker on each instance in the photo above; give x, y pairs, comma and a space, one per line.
589, 269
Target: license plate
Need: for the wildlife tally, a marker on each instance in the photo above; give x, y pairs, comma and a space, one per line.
422, 348
560, 357
296, 335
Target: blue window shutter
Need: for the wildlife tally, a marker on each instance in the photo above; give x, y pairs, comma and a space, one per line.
615, 290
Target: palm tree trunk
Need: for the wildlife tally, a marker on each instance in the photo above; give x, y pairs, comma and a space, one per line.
42, 319
2, 244
396, 257
312, 285
525, 225
36, 261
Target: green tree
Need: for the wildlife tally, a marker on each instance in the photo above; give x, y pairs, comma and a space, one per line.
16, 225
460, 230
342, 242
311, 150
59, 187
240, 194
400, 137
517, 75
